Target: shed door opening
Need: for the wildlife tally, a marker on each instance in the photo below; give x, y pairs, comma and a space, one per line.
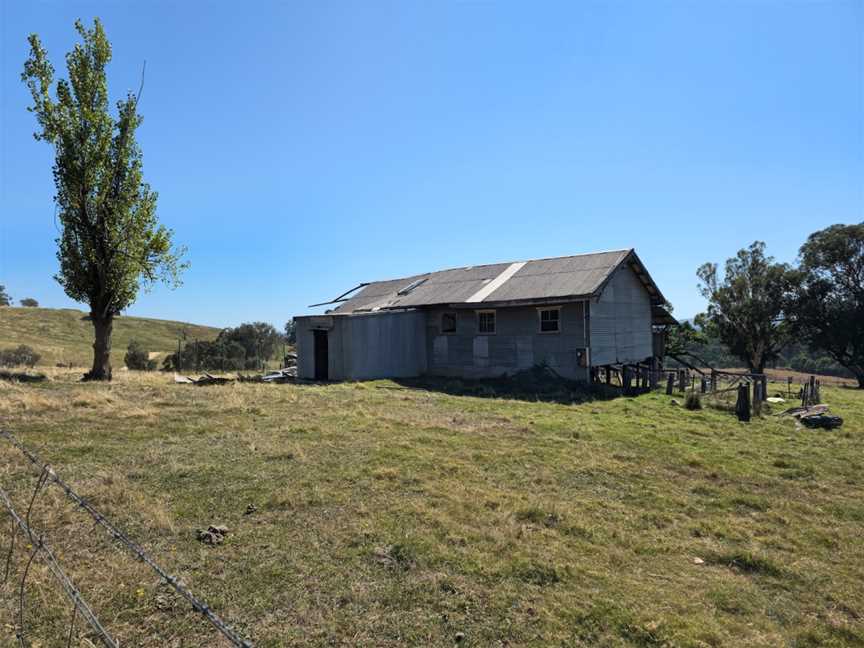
322, 357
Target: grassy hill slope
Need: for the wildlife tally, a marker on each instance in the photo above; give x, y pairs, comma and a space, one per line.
66, 335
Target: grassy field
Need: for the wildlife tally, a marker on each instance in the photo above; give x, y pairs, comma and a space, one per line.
395, 516
66, 335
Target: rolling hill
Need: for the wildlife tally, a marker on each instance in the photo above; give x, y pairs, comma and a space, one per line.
66, 335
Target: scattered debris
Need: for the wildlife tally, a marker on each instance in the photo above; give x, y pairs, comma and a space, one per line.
698, 561
824, 421
214, 535
798, 412
288, 374
460, 637
776, 399
815, 416
19, 376
250, 509
206, 379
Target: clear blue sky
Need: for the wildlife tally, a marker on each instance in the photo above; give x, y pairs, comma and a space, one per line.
300, 148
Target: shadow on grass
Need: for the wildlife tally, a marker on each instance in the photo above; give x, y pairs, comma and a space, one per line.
539, 384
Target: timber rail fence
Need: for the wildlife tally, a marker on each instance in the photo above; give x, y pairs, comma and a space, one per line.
749, 389
40, 548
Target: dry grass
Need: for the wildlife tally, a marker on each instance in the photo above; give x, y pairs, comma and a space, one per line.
65, 335
391, 517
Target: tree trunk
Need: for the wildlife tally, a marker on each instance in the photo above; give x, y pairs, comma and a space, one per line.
101, 348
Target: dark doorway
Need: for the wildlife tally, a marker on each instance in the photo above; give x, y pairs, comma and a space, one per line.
322, 356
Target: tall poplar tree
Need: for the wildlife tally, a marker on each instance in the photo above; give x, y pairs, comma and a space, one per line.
111, 243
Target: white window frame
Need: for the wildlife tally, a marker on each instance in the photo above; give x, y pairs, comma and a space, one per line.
540, 310
455, 322
494, 314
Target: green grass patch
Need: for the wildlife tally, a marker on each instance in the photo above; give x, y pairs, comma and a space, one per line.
382, 515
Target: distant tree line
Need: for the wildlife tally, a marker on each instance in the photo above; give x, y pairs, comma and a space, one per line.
247, 346
761, 312
6, 299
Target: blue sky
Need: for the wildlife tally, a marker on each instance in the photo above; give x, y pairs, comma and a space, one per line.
300, 148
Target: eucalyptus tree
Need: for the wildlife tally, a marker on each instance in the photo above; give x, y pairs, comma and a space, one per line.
111, 243
746, 307
827, 308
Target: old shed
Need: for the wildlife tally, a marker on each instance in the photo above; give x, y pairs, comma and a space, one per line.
569, 313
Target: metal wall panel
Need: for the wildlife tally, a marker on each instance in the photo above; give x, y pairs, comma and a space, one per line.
366, 346
621, 321
516, 345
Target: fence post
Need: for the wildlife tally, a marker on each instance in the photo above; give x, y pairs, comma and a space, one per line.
670, 383
742, 407
757, 397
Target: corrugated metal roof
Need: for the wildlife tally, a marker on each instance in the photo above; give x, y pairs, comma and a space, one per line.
562, 277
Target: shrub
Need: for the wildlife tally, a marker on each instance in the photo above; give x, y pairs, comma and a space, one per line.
21, 355
693, 401
29, 302
138, 358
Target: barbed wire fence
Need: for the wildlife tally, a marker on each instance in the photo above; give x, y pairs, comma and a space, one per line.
38, 547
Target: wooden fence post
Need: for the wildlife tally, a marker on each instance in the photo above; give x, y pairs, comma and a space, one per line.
757, 397
670, 383
742, 407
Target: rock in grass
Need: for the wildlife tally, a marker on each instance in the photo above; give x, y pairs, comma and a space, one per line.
460, 637
214, 535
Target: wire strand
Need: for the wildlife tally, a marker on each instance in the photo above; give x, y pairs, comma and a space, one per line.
197, 604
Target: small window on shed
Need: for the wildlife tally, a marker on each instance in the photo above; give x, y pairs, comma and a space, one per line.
486, 321
448, 323
550, 320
